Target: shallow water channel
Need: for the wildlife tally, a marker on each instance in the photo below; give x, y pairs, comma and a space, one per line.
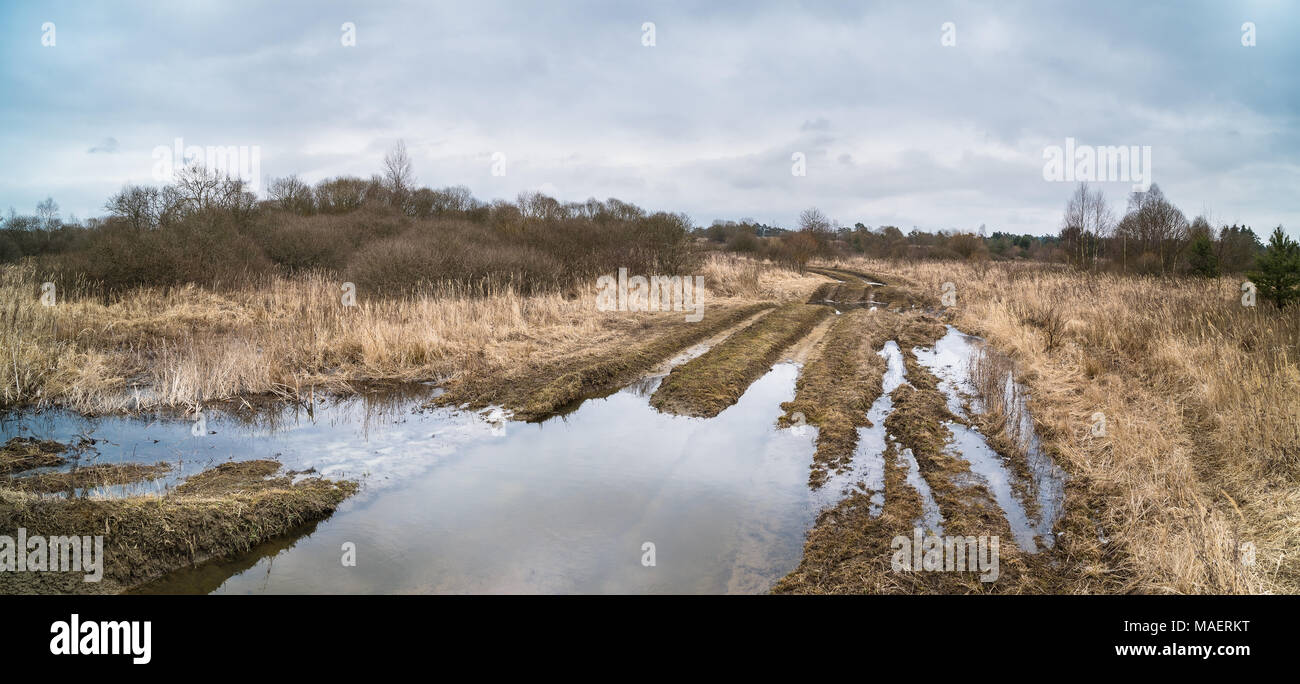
458, 501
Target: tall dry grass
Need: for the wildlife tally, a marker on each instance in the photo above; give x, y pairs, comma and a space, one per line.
152, 347
1201, 398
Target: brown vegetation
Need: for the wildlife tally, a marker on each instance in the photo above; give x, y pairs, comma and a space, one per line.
706, 385
1200, 401
222, 512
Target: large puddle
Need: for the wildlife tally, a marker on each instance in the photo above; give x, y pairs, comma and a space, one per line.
467, 502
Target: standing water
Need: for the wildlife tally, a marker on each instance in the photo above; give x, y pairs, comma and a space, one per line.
950, 360
613, 497
457, 501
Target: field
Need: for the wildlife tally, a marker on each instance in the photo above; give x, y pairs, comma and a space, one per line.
1173, 410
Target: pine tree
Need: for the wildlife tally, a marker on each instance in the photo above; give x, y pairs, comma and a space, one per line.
1277, 270
1201, 257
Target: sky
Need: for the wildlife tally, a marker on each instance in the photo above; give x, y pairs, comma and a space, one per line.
933, 115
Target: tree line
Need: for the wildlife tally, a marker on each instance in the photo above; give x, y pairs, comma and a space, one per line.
385, 232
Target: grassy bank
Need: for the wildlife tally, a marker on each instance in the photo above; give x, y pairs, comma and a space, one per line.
218, 513
88, 477
27, 453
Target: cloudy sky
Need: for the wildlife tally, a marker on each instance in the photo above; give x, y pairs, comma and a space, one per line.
896, 128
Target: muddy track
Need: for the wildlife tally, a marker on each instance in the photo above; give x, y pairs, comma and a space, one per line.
848, 276
926, 483
894, 294
841, 293
850, 550
535, 392
706, 385
836, 387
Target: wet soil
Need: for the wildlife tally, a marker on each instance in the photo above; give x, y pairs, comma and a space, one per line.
706, 385
220, 513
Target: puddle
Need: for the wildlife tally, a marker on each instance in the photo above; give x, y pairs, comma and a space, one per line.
866, 472
1048, 478
930, 515
950, 360
455, 502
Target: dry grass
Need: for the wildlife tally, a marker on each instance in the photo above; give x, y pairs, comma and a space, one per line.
1201, 398
87, 477
183, 346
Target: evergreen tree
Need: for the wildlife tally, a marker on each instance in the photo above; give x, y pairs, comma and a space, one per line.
1277, 270
1201, 257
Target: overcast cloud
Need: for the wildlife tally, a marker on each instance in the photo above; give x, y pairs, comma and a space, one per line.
895, 127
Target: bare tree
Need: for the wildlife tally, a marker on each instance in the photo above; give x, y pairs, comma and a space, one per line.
200, 190
535, 205
340, 195
198, 187
399, 179
1098, 224
1087, 221
139, 206
47, 212
800, 247
813, 220
292, 194
1155, 228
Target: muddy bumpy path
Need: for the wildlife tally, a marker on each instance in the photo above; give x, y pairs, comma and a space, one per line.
783, 447
908, 448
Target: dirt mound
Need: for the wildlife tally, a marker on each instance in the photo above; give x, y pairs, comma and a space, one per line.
219, 513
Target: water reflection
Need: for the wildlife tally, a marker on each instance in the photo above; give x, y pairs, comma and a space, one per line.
461, 502
950, 360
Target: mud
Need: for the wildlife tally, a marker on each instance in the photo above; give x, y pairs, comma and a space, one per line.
894, 294
936, 470
26, 453
706, 385
837, 387
537, 392
220, 513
